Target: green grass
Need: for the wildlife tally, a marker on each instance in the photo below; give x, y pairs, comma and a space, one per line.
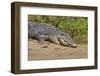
77, 27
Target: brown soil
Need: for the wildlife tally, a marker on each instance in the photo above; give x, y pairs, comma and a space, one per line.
49, 51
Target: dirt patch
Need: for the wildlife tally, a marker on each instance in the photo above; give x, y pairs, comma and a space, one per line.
49, 51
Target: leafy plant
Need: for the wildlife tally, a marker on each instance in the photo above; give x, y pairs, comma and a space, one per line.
77, 27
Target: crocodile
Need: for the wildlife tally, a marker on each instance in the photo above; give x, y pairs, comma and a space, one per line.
47, 32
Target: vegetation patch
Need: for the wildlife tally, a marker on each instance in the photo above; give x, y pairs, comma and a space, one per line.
77, 27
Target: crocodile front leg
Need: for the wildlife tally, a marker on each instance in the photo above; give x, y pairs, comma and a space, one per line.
65, 43
62, 42
54, 39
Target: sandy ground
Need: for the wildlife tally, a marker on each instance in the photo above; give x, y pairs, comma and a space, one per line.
49, 51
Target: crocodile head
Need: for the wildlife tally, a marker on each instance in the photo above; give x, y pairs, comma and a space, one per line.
69, 41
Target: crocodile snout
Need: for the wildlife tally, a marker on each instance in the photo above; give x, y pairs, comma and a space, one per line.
74, 45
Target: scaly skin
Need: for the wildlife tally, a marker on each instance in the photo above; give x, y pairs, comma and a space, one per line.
43, 31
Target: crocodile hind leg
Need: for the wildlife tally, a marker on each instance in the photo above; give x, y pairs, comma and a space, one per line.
39, 38
41, 41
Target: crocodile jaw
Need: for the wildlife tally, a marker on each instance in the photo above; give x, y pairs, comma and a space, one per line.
74, 45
